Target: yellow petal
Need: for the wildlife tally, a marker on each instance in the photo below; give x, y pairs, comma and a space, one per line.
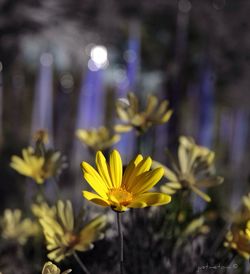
94, 179
166, 116
95, 198
209, 182
122, 128
115, 167
130, 168
203, 195
147, 180
167, 172
102, 168
90, 233
151, 199
183, 159
151, 104
142, 167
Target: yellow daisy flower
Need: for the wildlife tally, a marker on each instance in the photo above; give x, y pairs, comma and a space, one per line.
50, 268
193, 171
15, 228
122, 191
64, 236
155, 113
239, 240
30, 165
36, 166
97, 138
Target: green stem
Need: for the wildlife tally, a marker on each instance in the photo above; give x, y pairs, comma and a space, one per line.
119, 227
83, 267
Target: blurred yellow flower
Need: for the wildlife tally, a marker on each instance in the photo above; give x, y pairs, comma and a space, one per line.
64, 236
194, 170
97, 138
30, 165
122, 191
37, 167
15, 228
50, 268
155, 113
239, 240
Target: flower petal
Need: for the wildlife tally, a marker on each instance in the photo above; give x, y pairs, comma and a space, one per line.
169, 174
102, 168
95, 198
142, 167
147, 180
203, 195
94, 179
151, 199
115, 168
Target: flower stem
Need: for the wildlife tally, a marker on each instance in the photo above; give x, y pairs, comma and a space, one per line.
119, 226
83, 267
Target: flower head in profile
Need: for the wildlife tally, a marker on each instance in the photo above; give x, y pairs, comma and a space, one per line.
193, 171
238, 239
16, 228
119, 190
155, 113
97, 138
36, 165
50, 268
64, 236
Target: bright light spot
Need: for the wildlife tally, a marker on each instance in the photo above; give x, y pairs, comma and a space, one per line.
124, 100
46, 59
92, 65
184, 6
99, 55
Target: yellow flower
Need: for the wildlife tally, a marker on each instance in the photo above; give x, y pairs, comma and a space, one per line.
50, 268
97, 138
239, 240
64, 236
122, 191
30, 165
38, 167
194, 170
15, 228
155, 113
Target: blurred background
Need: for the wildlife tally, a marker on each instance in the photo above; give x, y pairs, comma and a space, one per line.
64, 64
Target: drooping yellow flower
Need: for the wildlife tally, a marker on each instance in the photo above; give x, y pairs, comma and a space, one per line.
193, 171
15, 228
239, 240
64, 236
122, 191
155, 113
30, 165
97, 138
50, 268
37, 166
